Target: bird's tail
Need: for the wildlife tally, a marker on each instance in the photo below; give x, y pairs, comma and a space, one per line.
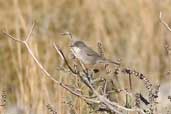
107, 61
117, 63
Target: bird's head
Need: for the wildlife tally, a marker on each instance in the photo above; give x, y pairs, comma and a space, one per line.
78, 44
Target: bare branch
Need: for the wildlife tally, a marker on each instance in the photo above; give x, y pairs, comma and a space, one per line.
17, 40
63, 57
30, 51
44, 70
113, 106
164, 23
29, 35
8, 35
85, 98
36, 60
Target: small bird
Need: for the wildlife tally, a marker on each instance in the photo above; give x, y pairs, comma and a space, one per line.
85, 54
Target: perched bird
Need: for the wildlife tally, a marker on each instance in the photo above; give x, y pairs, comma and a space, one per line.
85, 54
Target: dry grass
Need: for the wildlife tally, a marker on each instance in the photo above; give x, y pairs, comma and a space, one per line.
129, 30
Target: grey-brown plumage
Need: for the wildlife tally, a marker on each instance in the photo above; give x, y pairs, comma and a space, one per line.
87, 55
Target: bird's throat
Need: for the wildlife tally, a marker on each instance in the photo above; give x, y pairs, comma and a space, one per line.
76, 49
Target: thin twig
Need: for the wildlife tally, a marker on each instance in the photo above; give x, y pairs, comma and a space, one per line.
63, 57
8, 35
43, 69
164, 23
113, 106
29, 35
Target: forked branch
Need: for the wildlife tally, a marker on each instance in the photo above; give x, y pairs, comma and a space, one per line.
25, 42
113, 106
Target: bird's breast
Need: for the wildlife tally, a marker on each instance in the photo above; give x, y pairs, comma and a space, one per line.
76, 50
82, 55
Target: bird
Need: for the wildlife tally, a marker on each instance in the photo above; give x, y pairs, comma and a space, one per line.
86, 54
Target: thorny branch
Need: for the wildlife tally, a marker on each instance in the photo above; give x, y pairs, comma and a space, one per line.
25, 42
103, 99
100, 99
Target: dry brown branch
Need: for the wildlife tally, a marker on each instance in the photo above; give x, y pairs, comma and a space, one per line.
113, 105
76, 72
25, 42
63, 58
29, 34
99, 99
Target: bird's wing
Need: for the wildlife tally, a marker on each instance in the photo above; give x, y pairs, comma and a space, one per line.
91, 52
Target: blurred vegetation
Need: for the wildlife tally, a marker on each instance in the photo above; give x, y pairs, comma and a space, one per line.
129, 30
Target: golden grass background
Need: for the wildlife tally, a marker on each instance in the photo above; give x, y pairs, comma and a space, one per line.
129, 30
